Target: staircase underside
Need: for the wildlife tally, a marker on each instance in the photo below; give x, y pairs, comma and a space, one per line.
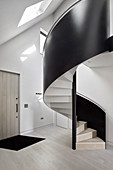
59, 98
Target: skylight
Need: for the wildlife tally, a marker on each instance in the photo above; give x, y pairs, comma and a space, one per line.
30, 50
33, 11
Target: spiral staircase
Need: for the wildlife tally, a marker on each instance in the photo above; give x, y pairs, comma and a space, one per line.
78, 35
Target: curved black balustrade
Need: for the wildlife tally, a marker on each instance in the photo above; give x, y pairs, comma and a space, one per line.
78, 36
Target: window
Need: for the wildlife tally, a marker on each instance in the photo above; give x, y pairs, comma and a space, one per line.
43, 35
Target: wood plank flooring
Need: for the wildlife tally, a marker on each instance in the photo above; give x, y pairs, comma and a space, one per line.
55, 153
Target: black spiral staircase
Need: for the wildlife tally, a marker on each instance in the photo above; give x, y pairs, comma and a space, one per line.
80, 34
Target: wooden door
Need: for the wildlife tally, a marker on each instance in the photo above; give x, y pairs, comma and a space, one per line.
9, 104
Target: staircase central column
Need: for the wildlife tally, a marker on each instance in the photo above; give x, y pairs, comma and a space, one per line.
74, 113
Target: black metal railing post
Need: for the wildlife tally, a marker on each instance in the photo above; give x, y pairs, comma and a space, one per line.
74, 113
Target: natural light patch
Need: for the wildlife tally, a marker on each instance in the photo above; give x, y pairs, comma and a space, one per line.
43, 35
33, 11
30, 50
23, 58
39, 97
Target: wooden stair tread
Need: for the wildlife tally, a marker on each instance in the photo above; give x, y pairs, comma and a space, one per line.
92, 140
87, 131
91, 144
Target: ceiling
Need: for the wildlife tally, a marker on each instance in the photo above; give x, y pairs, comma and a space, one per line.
11, 12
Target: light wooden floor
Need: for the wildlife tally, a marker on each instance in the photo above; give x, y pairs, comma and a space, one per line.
55, 153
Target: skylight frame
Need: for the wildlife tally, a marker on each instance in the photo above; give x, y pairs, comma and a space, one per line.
34, 11
43, 36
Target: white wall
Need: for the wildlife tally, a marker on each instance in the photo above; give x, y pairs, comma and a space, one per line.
30, 75
97, 84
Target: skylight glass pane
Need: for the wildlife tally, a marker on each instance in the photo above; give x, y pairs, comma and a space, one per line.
33, 11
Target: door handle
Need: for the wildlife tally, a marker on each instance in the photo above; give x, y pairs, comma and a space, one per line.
16, 107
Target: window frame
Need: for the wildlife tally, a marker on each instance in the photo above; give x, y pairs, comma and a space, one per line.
43, 33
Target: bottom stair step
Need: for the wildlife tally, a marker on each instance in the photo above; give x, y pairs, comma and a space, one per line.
86, 135
91, 144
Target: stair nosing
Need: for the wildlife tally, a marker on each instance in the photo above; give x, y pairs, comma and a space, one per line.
87, 141
82, 133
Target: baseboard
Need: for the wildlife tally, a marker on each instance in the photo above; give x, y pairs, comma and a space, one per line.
31, 130
109, 143
27, 131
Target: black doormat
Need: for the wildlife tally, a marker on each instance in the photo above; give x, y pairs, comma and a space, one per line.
19, 142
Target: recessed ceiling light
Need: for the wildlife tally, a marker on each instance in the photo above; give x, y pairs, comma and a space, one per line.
30, 50
33, 11
23, 58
